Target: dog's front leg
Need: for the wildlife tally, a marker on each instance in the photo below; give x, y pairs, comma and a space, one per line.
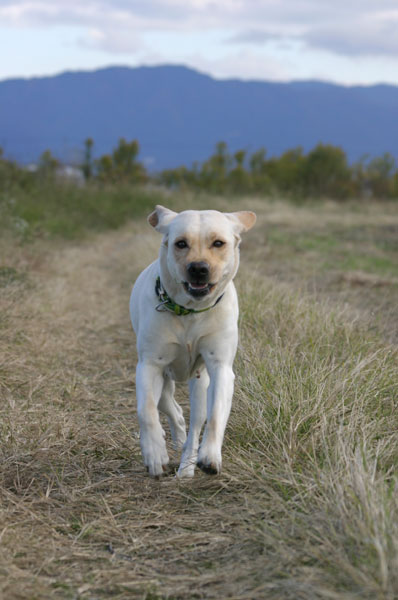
219, 400
149, 383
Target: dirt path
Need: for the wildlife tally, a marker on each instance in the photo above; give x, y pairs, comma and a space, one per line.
80, 518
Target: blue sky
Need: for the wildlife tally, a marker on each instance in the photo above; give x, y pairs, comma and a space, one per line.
349, 42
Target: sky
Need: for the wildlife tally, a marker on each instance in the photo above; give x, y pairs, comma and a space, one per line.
344, 41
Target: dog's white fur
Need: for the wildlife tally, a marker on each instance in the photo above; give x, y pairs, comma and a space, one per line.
197, 347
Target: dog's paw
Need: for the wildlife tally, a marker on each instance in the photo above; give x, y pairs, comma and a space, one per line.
157, 469
209, 462
154, 454
209, 468
186, 470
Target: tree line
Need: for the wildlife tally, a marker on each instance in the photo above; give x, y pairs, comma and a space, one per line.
324, 171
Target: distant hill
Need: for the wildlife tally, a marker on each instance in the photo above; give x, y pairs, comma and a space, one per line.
178, 115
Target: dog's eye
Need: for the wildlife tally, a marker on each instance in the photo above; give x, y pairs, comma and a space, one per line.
218, 243
181, 244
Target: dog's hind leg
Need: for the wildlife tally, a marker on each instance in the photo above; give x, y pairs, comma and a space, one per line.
173, 410
198, 400
149, 385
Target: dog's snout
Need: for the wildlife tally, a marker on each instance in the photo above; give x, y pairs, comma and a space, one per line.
198, 271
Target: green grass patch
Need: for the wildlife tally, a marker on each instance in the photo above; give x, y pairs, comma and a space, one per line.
379, 265
9, 275
60, 210
345, 250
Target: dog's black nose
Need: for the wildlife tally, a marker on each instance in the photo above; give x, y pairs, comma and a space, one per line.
198, 272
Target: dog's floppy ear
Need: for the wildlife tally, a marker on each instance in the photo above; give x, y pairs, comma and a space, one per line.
243, 220
161, 218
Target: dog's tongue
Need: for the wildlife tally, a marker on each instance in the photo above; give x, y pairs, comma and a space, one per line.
198, 286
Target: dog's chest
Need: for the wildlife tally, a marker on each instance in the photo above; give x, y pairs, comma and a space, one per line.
188, 360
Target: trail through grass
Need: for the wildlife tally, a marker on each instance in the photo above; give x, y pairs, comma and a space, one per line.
307, 504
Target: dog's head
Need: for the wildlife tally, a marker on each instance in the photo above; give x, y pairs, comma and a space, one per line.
200, 249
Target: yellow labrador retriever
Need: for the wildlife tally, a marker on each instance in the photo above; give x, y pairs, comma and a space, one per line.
184, 311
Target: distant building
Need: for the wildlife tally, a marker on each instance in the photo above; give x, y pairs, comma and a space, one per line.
70, 173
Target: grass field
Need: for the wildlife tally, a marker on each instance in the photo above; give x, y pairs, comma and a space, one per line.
307, 504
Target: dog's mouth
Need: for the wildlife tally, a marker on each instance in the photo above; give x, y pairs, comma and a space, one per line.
198, 290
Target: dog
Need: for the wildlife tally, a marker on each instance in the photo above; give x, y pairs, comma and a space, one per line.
184, 311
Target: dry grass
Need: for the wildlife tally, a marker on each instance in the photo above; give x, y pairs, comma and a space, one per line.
307, 504
345, 253
319, 438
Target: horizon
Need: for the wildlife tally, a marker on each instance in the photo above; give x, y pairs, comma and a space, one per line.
195, 70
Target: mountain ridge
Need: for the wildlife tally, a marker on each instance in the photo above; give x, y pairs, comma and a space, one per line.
179, 114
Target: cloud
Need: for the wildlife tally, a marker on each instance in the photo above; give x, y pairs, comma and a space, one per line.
336, 27
253, 37
248, 64
120, 41
369, 39
343, 27
24, 13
